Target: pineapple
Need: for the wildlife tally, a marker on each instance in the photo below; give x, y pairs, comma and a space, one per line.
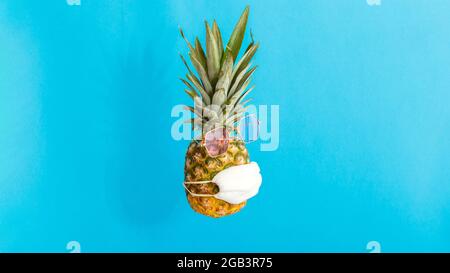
218, 90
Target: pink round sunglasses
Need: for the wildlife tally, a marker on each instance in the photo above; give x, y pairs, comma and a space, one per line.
216, 141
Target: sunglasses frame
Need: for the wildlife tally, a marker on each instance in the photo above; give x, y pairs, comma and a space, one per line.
236, 128
229, 138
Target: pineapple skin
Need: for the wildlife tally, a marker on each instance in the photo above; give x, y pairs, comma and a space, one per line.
199, 166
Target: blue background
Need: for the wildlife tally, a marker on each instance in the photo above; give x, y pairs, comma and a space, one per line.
86, 94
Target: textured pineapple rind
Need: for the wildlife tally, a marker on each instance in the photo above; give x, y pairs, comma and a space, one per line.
199, 166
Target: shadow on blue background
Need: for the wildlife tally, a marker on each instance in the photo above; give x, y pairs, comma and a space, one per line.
85, 99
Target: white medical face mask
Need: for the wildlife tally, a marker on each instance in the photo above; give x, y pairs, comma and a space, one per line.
236, 184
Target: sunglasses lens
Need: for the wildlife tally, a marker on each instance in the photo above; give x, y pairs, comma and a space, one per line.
216, 141
249, 128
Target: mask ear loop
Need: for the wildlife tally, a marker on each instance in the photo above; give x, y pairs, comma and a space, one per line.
197, 194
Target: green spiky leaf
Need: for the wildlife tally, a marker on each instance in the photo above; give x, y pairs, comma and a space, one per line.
202, 73
186, 64
195, 81
218, 36
219, 98
244, 94
251, 43
235, 99
191, 48
246, 77
241, 78
225, 73
245, 60
235, 42
200, 53
191, 93
213, 55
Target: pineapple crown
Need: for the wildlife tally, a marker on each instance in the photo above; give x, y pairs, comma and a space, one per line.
221, 82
